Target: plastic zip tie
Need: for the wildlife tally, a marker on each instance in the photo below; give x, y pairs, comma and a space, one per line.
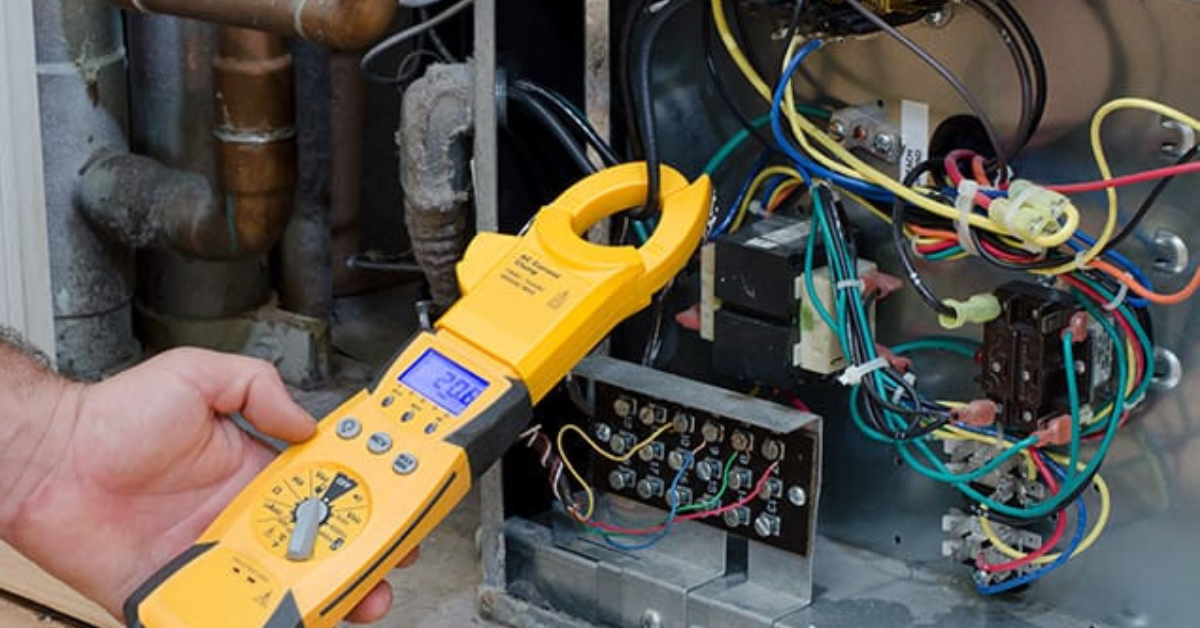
1119, 298
856, 284
853, 375
965, 204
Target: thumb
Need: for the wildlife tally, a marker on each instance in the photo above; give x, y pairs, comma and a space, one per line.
249, 386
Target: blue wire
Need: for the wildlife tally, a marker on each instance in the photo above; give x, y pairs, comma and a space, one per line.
858, 186
673, 499
1080, 526
1120, 260
745, 189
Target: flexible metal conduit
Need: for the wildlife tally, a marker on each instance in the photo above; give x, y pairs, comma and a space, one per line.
343, 24
434, 142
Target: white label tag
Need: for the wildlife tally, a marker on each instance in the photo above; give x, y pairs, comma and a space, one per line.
914, 131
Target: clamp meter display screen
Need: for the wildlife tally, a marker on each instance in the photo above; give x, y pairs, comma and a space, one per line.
444, 381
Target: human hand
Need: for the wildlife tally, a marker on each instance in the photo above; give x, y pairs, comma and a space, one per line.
140, 464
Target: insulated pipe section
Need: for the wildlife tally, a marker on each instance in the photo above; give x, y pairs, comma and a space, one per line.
144, 204
434, 142
83, 92
342, 24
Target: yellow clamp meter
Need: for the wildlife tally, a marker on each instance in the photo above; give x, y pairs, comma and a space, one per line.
304, 542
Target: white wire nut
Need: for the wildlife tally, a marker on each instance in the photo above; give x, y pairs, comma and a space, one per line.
854, 374
965, 204
851, 284
1119, 299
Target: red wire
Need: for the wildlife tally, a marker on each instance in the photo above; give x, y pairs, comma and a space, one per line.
1129, 179
758, 487
956, 175
1139, 355
1060, 527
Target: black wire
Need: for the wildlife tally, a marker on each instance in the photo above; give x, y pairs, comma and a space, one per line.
1148, 204
645, 106
1013, 42
1002, 156
902, 245
555, 127
1036, 60
714, 75
624, 75
568, 112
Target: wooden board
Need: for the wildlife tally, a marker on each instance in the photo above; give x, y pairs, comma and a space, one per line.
23, 579
14, 615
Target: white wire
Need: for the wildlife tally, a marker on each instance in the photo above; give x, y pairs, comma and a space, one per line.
413, 31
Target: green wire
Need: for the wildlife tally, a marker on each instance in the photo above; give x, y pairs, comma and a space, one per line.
1068, 345
739, 138
958, 346
716, 499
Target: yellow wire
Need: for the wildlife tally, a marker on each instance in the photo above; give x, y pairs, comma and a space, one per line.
587, 488
802, 129
1088, 541
777, 195
1110, 223
955, 433
735, 52
752, 191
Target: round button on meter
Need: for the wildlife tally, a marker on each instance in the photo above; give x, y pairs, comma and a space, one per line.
349, 428
405, 464
379, 443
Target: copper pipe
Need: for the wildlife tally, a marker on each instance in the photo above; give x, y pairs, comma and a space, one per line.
254, 93
146, 204
342, 24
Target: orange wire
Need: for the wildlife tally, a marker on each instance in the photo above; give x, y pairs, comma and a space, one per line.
977, 168
781, 196
1164, 299
933, 233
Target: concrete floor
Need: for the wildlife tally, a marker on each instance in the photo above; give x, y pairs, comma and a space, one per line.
439, 590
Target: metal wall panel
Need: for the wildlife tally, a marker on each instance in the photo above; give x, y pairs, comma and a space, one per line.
1142, 572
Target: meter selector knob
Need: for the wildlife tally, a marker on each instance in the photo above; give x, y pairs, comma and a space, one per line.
708, 470
767, 525
741, 478
736, 517
649, 488
621, 479
310, 514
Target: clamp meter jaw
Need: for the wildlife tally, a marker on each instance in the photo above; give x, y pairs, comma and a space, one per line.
305, 541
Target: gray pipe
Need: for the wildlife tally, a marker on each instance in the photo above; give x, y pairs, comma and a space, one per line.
173, 119
82, 89
434, 142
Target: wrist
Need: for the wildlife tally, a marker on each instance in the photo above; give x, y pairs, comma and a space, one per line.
38, 409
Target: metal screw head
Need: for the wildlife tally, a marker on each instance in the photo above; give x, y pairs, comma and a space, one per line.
939, 18
885, 142
837, 130
602, 431
651, 619
797, 496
